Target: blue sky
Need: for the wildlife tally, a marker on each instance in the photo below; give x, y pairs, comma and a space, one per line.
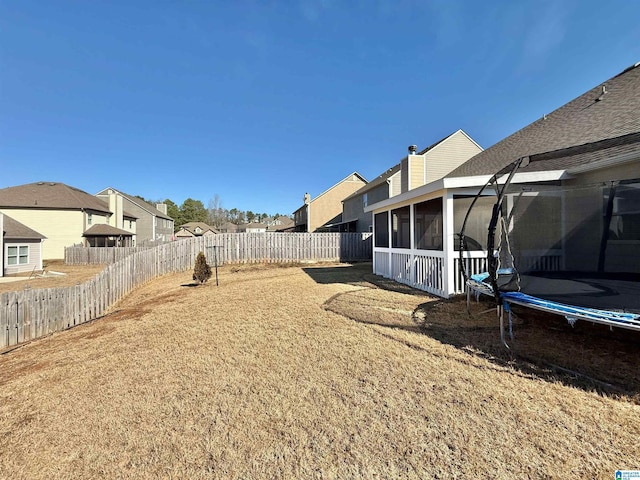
262, 101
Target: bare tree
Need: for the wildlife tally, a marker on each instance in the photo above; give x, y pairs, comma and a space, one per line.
216, 215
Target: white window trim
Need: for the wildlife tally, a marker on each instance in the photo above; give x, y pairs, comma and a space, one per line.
18, 255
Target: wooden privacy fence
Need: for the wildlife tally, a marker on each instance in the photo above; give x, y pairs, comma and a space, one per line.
33, 313
250, 248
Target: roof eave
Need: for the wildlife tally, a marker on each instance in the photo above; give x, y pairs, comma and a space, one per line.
475, 181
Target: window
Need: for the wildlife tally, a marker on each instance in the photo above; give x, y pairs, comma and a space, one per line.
428, 225
89, 218
130, 224
400, 228
18, 255
365, 200
382, 229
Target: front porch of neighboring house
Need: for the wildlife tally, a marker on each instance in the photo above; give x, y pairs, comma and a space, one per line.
416, 234
108, 236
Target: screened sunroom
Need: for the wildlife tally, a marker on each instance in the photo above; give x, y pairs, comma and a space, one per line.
416, 233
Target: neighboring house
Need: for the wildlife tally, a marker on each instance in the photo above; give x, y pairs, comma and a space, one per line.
59, 212
280, 224
228, 227
107, 236
253, 227
21, 247
593, 138
413, 171
195, 229
152, 223
326, 208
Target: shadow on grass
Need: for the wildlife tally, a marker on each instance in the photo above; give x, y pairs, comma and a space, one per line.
348, 273
586, 356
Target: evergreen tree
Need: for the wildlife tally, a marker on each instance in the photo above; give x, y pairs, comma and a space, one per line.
201, 271
192, 211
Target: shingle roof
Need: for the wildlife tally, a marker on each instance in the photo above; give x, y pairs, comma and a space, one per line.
609, 110
191, 227
584, 155
140, 203
50, 195
379, 180
104, 230
14, 230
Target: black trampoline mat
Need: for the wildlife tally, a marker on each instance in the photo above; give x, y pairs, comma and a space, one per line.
616, 292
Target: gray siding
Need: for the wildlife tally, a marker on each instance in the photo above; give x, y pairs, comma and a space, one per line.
35, 256
353, 208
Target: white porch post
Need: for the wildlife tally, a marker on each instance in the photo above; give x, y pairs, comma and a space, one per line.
390, 241
412, 243
449, 244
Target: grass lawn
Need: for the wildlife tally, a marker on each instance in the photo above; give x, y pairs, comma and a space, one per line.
316, 372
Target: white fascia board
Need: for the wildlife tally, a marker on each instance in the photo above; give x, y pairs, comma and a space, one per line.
406, 197
471, 139
464, 182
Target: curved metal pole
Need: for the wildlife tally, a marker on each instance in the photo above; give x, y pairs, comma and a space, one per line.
491, 260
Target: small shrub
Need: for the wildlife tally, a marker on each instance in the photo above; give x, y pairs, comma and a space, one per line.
202, 271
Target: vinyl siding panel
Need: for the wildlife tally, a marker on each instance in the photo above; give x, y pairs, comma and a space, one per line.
328, 206
63, 228
627, 171
450, 154
395, 188
416, 171
34, 259
353, 209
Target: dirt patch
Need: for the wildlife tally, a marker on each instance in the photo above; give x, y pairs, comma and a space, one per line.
49, 278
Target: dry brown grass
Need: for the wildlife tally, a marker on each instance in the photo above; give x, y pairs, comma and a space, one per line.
73, 274
269, 376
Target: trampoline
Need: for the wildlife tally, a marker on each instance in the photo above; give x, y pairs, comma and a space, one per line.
571, 250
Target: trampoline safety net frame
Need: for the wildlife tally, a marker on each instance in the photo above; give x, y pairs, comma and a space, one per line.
567, 250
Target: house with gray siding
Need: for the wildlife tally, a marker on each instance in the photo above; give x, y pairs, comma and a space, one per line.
21, 247
152, 222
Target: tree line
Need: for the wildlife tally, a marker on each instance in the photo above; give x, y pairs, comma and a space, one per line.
215, 215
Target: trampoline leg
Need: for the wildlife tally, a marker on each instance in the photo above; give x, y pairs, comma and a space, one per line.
468, 300
500, 310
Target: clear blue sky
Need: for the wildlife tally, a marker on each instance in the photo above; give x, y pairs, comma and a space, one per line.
262, 101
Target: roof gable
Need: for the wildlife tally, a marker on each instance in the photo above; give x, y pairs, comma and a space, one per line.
14, 230
197, 228
341, 181
137, 201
